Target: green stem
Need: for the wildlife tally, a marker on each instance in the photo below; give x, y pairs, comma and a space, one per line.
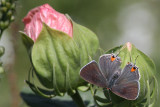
77, 99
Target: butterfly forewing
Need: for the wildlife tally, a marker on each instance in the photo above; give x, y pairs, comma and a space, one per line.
128, 75
93, 75
109, 67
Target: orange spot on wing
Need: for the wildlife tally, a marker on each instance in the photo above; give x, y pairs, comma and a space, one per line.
133, 69
113, 58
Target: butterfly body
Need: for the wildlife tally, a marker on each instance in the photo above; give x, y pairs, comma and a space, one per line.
113, 80
108, 74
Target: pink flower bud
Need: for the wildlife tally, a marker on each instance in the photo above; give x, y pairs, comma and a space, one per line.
46, 14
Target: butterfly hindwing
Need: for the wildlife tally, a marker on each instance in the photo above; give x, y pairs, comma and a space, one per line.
129, 91
127, 85
93, 75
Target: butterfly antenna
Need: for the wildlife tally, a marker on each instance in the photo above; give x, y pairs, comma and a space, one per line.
130, 58
118, 53
119, 50
112, 51
136, 59
101, 51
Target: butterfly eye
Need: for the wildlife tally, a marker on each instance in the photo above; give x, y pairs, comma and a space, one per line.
133, 69
113, 58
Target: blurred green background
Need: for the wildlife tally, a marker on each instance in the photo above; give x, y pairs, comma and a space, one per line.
115, 22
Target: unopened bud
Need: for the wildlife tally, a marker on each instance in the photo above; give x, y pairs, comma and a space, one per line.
4, 9
8, 5
13, 6
6, 23
12, 18
2, 26
1, 50
9, 13
1, 70
3, 2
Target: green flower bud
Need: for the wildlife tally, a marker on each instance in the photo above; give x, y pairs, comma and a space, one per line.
57, 55
1, 70
4, 9
6, 23
12, 18
7, 9
8, 5
9, 13
2, 50
13, 6
1, 53
2, 25
3, 2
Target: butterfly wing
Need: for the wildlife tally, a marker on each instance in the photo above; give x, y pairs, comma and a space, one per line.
92, 74
109, 65
128, 74
127, 85
129, 91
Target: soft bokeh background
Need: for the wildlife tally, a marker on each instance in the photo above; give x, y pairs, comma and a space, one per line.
114, 21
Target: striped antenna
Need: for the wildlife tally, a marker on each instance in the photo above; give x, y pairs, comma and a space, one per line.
136, 59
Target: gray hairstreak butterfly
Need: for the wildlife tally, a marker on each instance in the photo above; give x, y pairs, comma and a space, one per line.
124, 83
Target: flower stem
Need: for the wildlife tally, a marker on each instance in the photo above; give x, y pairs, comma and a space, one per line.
77, 99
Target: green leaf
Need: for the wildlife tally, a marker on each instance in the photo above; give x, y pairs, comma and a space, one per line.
33, 100
148, 82
57, 58
83, 88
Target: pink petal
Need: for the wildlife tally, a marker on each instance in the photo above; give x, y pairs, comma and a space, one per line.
45, 13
